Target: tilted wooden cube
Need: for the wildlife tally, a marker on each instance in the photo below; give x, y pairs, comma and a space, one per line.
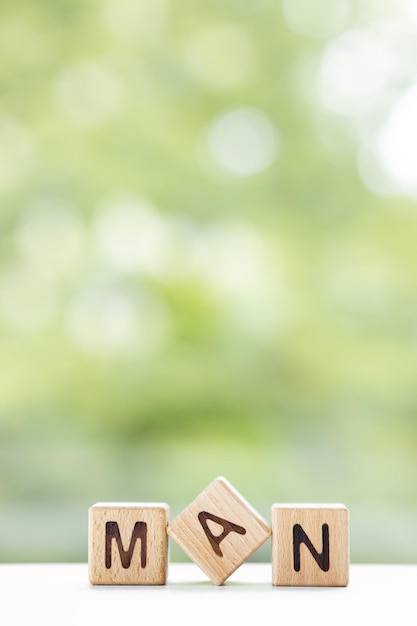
219, 530
128, 543
310, 545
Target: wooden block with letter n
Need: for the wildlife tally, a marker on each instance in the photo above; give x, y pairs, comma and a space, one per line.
219, 530
128, 544
310, 545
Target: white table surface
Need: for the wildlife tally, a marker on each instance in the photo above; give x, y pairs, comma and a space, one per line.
60, 594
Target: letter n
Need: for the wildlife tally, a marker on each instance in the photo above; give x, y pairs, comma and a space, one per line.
140, 531
322, 558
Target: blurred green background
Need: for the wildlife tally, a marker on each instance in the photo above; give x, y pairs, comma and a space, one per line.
208, 262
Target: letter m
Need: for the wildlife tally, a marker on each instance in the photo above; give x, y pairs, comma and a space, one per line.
140, 531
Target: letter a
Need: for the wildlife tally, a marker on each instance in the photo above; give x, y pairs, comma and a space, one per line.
228, 527
322, 559
139, 532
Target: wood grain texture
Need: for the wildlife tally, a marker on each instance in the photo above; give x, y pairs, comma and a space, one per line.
313, 538
219, 530
128, 543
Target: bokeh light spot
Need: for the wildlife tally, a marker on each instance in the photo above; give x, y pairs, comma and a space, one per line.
355, 69
372, 173
233, 262
397, 142
131, 236
111, 319
90, 93
243, 142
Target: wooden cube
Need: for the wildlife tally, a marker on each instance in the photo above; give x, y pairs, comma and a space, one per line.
219, 530
310, 545
128, 544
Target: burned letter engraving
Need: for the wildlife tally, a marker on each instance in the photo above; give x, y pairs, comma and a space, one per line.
140, 531
228, 527
322, 559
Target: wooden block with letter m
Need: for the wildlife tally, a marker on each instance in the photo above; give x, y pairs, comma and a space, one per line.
219, 530
128, 544
310, 545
